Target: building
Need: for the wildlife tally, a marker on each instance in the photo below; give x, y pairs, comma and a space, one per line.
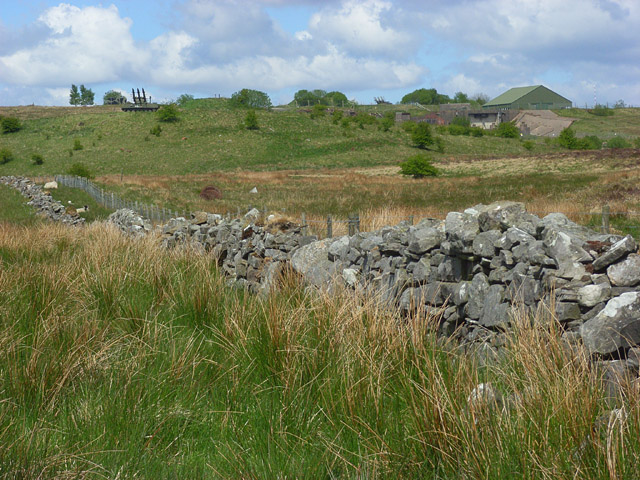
489, 118
537, 97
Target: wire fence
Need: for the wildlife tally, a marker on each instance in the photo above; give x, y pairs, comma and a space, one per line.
604, 220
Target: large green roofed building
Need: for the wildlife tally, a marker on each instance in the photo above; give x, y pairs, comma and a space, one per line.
537, 97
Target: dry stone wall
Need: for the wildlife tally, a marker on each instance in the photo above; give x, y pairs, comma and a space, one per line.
42, 201
473, 270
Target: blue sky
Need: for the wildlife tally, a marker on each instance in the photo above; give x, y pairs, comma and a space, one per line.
364, 48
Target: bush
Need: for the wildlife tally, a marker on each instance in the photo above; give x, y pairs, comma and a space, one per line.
458, 130
439, 142
386, 123
601, 111
421, 135
168, 113
618, 142
590, 142
156, 130
418, 166
528, 144
10, 125
37, 159
567, 138
442, 129
507, 130
318, 110
408, 126
6, 156
248, 98
336, 117
251, 120
79, 170
476, 132
77, 145
363, 119
184, 99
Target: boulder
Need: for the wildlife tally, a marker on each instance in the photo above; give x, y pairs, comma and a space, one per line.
311, 261
625, 273
500, 215
616, 252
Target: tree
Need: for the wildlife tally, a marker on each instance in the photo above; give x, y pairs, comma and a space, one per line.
86, 96
248, 98
425, 96
184, 99
507, 130
10, 125
74, 96
421, 135
335, 99
567, 138
480, 98
113, 98
460, 97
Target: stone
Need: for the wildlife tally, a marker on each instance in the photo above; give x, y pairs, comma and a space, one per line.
460, 230
484, 396
450, 270
311, 261
422, 240
524, 289
616, 252
500, 215
591, 295
616, 327
494, 312
483, 243
512, 237
421, 271
567, 311
350, 277
339, 248
478, 289
565, 249
625, 273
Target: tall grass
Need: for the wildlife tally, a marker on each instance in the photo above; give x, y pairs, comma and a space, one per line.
121, 360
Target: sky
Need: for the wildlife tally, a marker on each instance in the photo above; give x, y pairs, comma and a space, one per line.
586, 50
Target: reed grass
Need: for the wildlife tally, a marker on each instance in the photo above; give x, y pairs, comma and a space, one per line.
122, 360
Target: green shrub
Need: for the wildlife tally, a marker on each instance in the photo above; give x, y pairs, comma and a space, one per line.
461, 122
184, 99
251, 120
248, 98
418, 166
439, 143
618, 142
507, 130
387, 122
318, 110
458, 130
421, 135
168, 113
408, 126
476, 132
6, 156
10, 125
567, 138
363, 119
590, 142
77, 145
156, 130
37, 159
601, 111
79, 170
528, 144
336, 117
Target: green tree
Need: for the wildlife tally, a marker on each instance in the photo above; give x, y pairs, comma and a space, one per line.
421, 135
425, 96
567, 138
251, 120
74, 96
184, 99
248, 98
418, 166
113, 98
80, 170
86, 96
460, 97
480, 98
10, 124
337, 99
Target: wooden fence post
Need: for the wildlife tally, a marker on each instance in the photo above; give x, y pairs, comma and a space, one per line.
605, 218
329, 226
304, 223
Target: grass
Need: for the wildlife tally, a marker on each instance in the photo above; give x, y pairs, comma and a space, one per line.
14, 209
121, 360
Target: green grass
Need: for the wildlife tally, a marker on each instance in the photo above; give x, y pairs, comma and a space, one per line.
120, 360
208, 138
624, 121
14, 208
79, 198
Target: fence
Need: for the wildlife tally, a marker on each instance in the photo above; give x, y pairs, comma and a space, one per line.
606, 221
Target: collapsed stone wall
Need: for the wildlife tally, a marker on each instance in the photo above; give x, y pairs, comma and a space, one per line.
473, 270
42, 201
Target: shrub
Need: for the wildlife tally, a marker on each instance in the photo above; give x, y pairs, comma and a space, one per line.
251, 120
363, 119
590, 142
10, 125
37, 159
345, 122
421, 135
168, 113
79, 170
618, 142
184, 99
567, 138
336, 117
458, 130
601, 111
156, 130
318, 110
386, 123
476, 132
418, 166
528, 144
439, 142
77, 145
408, 126
507, 130
442, 129
6, 156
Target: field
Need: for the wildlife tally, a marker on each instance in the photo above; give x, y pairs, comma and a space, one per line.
121, 360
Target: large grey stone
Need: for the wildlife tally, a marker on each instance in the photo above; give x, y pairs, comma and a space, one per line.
616, 252
495, 313
338, 248
460, 230
565, 248
422, 240
478, 289
500, 215
616, 326
483, 244
591, 295
311, 261
625, 273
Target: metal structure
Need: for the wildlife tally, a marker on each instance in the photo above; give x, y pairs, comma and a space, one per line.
140, 103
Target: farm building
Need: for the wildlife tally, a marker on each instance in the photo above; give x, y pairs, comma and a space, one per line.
537, 97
